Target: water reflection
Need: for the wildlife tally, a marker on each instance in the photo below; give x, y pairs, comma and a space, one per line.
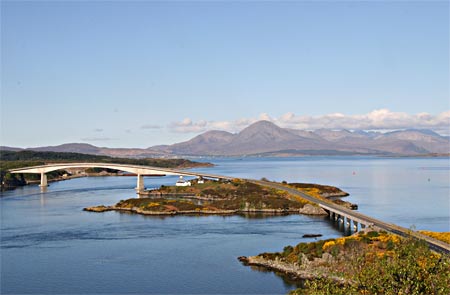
42, 199
290, 281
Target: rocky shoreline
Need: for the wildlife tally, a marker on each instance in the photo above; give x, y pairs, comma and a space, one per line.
310, 210
335, 194
308, 270
345, 204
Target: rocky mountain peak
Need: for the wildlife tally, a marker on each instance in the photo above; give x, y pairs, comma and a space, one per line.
265, 130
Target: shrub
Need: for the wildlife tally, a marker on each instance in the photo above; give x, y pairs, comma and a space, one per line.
410, 268
335, 251
328, 244
287, 250
372, 234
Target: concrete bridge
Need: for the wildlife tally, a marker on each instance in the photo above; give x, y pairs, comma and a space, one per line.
140, 171
349, 218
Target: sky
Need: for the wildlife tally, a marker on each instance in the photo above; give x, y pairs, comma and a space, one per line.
144, 73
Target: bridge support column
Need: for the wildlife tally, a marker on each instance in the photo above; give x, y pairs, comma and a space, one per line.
340, 222
355, 226
350, 222
140, 184
43, 180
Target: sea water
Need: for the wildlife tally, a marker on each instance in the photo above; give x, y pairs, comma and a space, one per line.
49, 245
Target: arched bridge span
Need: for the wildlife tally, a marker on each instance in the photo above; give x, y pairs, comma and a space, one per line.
139, 170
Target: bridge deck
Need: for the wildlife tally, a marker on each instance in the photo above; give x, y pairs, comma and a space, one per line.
137, 169
434, 244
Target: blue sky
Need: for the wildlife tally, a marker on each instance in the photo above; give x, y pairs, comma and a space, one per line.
137, 74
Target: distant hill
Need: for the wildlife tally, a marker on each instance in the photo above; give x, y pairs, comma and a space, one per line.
264, 138
8, 148
19, 157
84, 148
210, 142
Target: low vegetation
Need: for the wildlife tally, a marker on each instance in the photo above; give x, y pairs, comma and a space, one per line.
442, 236
229, 190
366, 263
323, 192
318, 190
236, 195
222, 197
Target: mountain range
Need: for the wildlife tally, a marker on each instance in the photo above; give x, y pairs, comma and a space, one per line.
264, 138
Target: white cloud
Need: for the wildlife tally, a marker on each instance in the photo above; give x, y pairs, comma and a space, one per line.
265, 116
187, 126
151, 126
381, 119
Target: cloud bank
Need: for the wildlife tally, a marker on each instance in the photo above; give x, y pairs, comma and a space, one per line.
381, 120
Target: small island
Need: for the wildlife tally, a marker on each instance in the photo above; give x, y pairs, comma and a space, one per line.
224, 197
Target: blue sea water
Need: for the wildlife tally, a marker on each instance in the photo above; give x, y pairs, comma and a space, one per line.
50, 246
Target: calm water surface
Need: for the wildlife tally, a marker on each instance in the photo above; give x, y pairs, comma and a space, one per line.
49, 245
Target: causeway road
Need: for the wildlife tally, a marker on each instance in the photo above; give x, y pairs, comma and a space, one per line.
435, 245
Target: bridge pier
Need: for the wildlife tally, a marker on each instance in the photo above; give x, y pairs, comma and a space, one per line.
331, 215
340, 224
349, 222
355, 226
348, 225
140, 184
344, 222
43, 180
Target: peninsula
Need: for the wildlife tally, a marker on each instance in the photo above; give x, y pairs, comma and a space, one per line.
368, 262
